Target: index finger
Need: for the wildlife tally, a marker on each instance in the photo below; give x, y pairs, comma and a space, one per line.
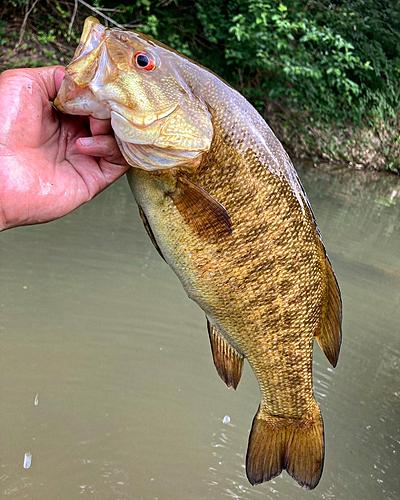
100, 127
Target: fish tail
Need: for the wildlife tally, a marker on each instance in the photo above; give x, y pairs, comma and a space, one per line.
294, 444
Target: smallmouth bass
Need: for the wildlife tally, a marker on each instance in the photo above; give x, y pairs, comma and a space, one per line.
223, 205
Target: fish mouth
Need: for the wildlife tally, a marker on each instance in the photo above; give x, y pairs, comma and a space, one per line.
75, 96
75, 101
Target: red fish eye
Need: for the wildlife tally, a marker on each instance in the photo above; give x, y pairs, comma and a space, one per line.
144, 61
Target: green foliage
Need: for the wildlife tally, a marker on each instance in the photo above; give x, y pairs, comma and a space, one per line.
46, 36
319, 56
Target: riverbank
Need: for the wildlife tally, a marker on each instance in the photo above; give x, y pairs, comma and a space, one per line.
375, 147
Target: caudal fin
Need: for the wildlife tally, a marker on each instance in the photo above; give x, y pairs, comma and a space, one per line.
294, 444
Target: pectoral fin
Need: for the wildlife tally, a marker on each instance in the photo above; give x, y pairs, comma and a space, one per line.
201, 211
329, 336
227, 361
149, 230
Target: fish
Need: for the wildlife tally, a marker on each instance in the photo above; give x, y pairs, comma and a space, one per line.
224, 207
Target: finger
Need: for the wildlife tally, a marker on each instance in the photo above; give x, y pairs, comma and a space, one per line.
103, 146
51, 77
99, 127
112, 171
47, 78
59, 77
98, 174
24, 104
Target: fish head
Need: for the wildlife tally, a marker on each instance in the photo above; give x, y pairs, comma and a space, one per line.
143, 86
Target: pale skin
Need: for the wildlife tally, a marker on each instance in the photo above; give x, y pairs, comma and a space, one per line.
50, 163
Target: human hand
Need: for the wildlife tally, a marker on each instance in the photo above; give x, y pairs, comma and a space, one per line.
46, 167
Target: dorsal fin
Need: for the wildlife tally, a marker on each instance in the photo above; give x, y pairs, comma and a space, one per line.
149, 230
330, 334
227, 361
201, 211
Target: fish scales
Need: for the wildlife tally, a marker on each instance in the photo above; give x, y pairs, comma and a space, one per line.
258, 312
224, 207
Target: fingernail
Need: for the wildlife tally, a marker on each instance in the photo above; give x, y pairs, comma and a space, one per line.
86, 141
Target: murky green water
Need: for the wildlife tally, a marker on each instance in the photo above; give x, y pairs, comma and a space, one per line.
106, 372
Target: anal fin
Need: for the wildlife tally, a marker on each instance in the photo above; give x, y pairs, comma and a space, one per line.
329, 336
227, 361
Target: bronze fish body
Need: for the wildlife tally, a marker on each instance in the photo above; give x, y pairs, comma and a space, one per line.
225, 209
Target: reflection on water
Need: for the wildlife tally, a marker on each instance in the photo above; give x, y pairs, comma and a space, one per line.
93, 321
27, 460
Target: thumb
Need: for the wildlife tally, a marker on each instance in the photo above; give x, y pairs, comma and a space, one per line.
50, 77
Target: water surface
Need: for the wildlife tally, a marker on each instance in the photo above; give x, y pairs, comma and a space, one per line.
108, 389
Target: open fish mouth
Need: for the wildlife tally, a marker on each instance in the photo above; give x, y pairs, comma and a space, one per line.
83, 104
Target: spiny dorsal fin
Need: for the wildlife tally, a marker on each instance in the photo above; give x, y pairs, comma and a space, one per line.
201, 211
227, 361
149, 230
330, 335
